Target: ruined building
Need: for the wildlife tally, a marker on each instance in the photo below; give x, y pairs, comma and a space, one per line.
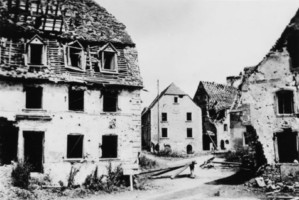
268, 102
172, 121
215, 101
69, 87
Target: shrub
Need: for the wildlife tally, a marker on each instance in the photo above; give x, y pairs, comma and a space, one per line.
108, 183
21, 175
146, 163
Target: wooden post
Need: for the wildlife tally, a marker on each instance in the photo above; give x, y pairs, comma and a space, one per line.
192, 175
131, 182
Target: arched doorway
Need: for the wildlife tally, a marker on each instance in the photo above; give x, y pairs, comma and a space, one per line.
189, 149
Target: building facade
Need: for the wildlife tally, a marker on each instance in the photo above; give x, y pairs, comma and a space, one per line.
269, 98
70, 88
215, 101
172, 121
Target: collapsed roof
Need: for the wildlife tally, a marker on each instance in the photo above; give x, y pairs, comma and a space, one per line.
68, 19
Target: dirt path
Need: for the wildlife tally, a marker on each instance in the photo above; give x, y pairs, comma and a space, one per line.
208, 184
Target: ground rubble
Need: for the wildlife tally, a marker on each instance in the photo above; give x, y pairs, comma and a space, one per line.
270, 183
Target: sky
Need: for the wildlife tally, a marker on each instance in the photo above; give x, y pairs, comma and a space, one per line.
187, 41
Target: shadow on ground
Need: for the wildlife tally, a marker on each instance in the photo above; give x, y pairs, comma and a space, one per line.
238, 178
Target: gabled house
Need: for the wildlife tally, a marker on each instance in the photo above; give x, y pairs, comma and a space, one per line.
70, 88
215, 101
268, 101
172, 121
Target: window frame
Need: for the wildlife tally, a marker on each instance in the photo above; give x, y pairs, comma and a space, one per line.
26, 97
67, 147
175, 100
164, 129
83, 99
107, 94
117, 146
108, 48
164, 117
36, 40
225, 127
277, 102
75, 45
189, 114
188, 132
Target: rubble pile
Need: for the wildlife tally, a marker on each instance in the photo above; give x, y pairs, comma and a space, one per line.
271, 183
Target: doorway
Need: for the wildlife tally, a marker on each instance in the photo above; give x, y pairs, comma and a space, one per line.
33, 149
287, 146
8, 142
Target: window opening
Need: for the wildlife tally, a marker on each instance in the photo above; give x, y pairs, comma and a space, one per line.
285, 102
225, 127
189, 149
34, 97
164, 132
189, 133
109, 146
76, 100
189, 116
75, 146
110, 102
164, 117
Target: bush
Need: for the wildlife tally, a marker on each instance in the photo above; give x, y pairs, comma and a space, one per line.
21, 175
146, 163
108, 183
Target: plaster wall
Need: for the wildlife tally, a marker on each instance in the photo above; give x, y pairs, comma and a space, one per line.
177, 123
273, 74
93, 123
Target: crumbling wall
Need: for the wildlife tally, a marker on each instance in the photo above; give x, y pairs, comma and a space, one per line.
177, 124
93, 123
271, 75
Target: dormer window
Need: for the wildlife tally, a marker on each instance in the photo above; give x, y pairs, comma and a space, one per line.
108, 56
75, 56
36, 52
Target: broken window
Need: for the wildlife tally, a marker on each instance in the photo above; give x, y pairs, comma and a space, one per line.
175, 100
164, 117
189, 133
75, 55
189, 116
34, 97
285, 102
225, 127
36, 52
109, 146
75, 146
76, 100
110, 102
164, 132
109, 58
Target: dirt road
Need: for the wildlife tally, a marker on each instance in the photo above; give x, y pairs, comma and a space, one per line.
217, 183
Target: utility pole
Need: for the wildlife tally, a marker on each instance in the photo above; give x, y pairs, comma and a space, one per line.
158, 105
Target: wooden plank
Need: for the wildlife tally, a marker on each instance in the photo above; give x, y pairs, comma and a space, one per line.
180, 171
